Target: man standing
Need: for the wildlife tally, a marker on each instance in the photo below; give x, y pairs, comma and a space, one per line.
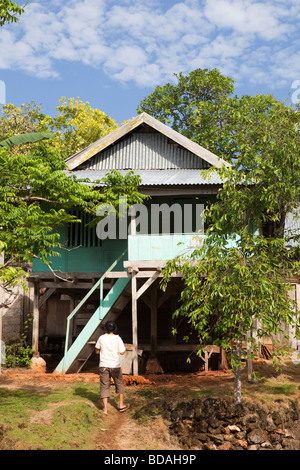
111, 346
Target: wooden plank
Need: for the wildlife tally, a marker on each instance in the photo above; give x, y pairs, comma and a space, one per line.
40, 276
140, 274
36, 320
72, 323
155, 264
153, 321
169, 347
45, 296
212, 348
134, 324
147, 284
66, 285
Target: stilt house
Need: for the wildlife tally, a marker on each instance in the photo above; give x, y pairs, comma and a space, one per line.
118, 279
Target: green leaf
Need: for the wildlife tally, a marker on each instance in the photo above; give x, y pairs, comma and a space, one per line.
27, 138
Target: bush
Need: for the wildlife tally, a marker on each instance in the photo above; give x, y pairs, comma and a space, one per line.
18, 355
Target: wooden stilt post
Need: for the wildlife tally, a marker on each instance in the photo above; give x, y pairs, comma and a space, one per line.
135, 364
72, 306
153, 321
134, 325
36, 320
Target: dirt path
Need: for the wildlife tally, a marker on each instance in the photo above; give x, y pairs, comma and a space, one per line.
117, 431
121, 432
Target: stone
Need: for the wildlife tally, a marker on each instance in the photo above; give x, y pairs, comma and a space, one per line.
233, 428
217, 438
188, 413
153, 366
277, 418
257, 437
225, 446
38, 365
266, 445
201, 436
242, 443
210, 446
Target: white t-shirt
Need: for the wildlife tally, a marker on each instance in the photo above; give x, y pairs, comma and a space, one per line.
110, 348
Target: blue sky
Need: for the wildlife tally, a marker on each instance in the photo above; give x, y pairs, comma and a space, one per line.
112, 53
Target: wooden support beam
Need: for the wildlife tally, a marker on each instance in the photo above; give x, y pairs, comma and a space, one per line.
36, 319
45, 296
155, 264
147, 284
135, 364
153, 321
72, 306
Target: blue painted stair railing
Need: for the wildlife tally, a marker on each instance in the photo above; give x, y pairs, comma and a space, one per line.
79, 352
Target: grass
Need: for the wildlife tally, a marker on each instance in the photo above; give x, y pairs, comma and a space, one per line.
70, 422
66, 416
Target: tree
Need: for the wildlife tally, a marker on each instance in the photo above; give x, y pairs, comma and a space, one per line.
76, 126
22, 119
230, 285
195, 107
9, 12
258, 135
36, 196
262, 185
226, 288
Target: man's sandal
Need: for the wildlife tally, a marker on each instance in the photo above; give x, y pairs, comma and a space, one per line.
124, 408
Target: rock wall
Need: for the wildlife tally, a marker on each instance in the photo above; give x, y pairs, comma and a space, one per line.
217, 424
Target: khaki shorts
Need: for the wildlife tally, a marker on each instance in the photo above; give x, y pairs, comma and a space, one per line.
106, 373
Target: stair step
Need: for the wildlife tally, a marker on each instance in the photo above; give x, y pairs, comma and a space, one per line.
115, 301
116, 310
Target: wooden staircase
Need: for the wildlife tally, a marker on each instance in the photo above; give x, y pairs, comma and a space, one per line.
110, 308
84, 345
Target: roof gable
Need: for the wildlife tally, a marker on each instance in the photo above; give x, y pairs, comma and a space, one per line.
86, 155
144, 151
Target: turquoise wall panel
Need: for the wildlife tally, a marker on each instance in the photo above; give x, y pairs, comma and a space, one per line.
85, 260
159, 247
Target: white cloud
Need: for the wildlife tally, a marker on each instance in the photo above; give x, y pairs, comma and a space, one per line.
147, 42
263, 19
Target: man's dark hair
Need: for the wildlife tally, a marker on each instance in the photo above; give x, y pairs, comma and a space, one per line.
111, 327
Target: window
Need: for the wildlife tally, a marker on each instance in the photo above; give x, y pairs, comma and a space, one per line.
84, 233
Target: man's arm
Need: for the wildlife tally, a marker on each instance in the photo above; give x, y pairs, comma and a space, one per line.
122, 348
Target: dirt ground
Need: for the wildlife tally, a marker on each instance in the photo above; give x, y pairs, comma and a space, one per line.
120, 431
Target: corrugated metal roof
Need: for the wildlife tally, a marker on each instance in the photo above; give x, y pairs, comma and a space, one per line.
145, 151
157, 177
86, 154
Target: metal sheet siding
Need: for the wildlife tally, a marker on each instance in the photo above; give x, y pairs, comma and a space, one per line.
145, 151
156, 177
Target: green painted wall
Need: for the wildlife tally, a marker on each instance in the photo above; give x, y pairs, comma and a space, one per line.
85, 253
84, 259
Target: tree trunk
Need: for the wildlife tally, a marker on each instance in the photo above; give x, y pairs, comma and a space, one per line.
237, 394
249, 360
